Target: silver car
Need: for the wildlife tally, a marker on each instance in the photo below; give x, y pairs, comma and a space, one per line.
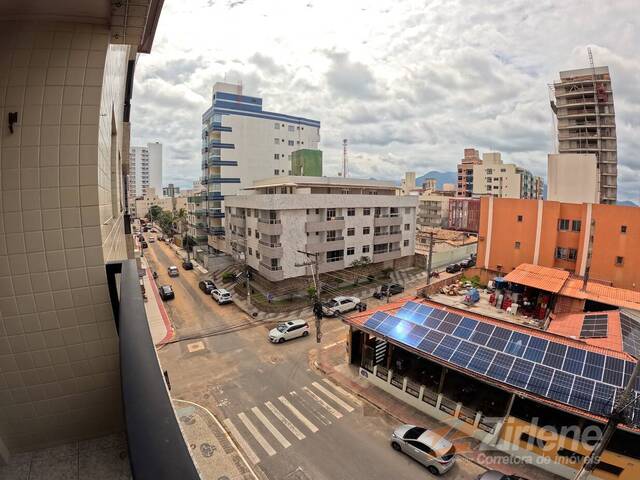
425, 446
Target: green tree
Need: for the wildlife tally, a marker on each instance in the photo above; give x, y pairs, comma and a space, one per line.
188, 242
165, 221
154, 213
359, 265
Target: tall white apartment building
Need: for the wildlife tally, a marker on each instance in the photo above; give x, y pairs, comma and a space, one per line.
503, 180
145, 170
242, 143
340, 219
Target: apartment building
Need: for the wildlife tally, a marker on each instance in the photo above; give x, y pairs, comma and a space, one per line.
150, 199
145, 170
561, 235
503, 180
340, 219
465, 172
242, 143
433, 209
70, 301
464, 214
587, 124
170, 190
573, 178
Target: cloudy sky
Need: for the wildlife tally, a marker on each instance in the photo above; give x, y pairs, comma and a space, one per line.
410, 83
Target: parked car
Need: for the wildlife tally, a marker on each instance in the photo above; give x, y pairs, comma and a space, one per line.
144, 244
166, 292
468, 263
173, 271
496, 475
206, 286
393, 289
289, 330
187, 265
339, 305
221, 295
425, 446
453, 268
152, 239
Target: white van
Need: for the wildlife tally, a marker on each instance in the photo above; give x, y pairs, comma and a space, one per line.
289, 330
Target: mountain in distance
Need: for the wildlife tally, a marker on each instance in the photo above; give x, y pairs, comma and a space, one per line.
441, 178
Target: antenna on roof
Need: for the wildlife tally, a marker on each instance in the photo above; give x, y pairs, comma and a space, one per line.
344, 158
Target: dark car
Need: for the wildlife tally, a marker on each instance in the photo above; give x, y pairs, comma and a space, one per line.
453, 268
166, 292
393, 289
206, 286
144, 244
187, 265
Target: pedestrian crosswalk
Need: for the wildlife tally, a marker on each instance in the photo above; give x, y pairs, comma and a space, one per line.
262, 430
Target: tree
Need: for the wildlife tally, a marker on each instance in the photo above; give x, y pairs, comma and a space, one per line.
181, 221
188, 243
153, 213
359, 264
165, 221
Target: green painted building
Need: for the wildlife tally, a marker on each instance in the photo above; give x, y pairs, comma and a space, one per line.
306, 163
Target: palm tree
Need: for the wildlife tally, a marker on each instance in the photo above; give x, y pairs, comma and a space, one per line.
180, 218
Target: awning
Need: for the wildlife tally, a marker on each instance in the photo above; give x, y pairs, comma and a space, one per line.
543, 278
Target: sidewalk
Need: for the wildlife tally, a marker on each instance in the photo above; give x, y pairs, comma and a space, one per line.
159, 323
182, 254
332, 362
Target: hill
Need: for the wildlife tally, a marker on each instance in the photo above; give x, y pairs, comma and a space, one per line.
441, 177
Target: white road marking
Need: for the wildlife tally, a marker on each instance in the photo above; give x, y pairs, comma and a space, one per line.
333, 344
298, 415
274, 431
308, 403
256, 434
342, 391
333, 397
322, 403
240, 439
285, 421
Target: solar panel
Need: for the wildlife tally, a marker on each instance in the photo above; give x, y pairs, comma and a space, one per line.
594, 326
571, 375
630, 326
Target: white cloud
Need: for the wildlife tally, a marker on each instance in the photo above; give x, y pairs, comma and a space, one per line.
409, 83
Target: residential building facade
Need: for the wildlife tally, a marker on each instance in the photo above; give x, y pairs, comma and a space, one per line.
242, 143
145, 169
149, 199
63, 220
561, 235
503, 180
573, 178
408, 183
465, 172
433, 209
587, 124
464, 214
170, 190
340, 219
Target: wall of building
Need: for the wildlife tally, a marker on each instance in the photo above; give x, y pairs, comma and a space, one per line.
573, 178
59, 225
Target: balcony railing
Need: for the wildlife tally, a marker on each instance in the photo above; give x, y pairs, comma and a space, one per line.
270, 221
157, 449
334, 259
271, 267
334, 239
331, 219
267, 244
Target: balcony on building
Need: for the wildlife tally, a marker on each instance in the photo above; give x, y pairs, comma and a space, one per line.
271, 269
270, 224
269, 246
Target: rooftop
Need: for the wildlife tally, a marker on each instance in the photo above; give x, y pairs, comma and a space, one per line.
543, 278
300, 181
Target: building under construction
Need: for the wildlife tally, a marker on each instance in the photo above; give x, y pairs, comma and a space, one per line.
583, 105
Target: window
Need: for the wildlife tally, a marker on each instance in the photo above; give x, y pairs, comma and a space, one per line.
612, 469
351, 212
276, 141
276, 172
290, 143
250, 251
276, 126
249, 231
317, 211
331, 213
365, 249
573, 254
276, 156
351, 232
619, 261
576, 225
351, 251
531, 440
517, 245
307, 211
291, 128
503, 170
623, 229
405, 243
520, 218
366, 211
366, 230
257, 234
563, 224
407, 227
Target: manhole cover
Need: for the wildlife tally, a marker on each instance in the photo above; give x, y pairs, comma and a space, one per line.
195, 347
188, 419
207, 449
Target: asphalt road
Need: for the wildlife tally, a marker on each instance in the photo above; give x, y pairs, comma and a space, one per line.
290, 422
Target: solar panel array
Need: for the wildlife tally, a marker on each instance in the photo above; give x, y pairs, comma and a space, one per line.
594, 326
573, 376
630, 326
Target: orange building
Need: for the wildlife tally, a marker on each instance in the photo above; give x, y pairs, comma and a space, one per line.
560, 235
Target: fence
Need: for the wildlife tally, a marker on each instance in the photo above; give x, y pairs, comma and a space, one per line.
447, 257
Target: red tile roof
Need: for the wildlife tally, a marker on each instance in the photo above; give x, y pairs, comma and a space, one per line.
599, 292
543, 278
570, 325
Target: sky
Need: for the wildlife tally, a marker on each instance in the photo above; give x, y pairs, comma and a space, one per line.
410, 83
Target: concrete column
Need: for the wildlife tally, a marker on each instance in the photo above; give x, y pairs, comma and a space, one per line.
487, 249
456, 414
404, 384
476, 421
536, 252
421, 393
439, 401
389, 375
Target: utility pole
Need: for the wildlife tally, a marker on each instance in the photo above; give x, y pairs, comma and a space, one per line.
616, 417
429, 263
317, 305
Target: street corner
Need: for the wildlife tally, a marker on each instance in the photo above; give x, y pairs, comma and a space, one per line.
211, 448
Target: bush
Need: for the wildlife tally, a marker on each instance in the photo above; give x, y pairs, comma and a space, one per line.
311, 292
386, 272
228, 277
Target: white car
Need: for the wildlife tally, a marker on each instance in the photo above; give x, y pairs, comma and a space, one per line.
289, 330
221, 295
151, 239
173, 271
339, 305
426, 446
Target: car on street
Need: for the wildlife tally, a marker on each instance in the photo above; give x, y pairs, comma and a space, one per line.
338, 305
468, 263
289, 330
173, 271
152, 239
207, 286
144, 244
187, 265
496, 475
166, 292
221, 295
432, 450
453, 268
392, 289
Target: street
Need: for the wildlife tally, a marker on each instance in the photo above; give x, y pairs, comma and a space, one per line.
289, 421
